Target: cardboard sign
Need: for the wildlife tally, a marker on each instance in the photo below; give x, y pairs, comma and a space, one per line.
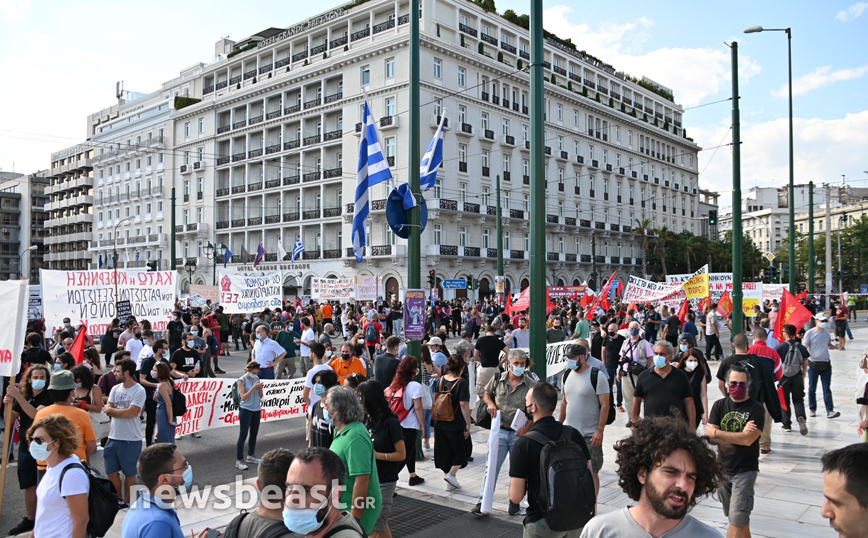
125, 310
332, 289
250, 294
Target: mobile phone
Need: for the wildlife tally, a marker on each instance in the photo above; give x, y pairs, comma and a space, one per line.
213, 533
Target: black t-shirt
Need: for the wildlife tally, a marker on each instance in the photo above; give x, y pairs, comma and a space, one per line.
489, 348
34, 355
597, 345
385, 366
732, 416
175, 329
277, 326
751, 364
184, 360
673, 324
660, 394
460, 393
148, 364
524, 460
613, 350
385, 437
321, 432
41, 399
652, 328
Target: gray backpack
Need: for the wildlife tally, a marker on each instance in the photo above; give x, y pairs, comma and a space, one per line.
793, 360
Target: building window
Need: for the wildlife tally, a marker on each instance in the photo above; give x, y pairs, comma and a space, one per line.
201, 125
438, 68
462, 236
438, 234
366, 75
506, 127
187, 129
462, 77
484, 119
486, 238
560, 112
506, 163
462, 153
390, 68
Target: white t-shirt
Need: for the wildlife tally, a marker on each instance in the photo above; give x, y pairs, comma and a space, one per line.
147, 351
53, 518
126, 429
412, 391
307, 336
308, 383
134, 346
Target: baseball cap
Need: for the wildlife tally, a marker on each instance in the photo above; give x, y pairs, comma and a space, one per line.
573, 350
687, 337
435, 341
62, 380
821, 316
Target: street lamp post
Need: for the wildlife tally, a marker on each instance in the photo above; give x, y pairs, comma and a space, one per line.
21, 261
842, 221
213, 253
115, 255
791, 195
190, 267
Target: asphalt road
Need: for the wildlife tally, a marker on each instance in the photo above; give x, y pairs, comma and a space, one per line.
212, 456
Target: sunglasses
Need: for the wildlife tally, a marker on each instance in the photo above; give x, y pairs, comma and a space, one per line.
40, 440
739, 384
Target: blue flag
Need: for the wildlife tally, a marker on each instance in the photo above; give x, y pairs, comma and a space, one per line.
296, 250
260, 255
227, 257
100, 261
373, 169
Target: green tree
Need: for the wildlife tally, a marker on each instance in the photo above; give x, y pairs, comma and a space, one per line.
642, 230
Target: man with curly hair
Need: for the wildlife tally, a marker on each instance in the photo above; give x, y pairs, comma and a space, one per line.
665, 468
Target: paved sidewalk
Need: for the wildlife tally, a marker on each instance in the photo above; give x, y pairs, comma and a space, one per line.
789, 490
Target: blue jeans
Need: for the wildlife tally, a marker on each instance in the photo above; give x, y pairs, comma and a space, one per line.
249, 422
826, 379
266, 373
613, 373
848, 330
507, 440
427, 423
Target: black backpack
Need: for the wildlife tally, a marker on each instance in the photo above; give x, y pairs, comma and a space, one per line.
179, 403
595, 373
278, 528
102, 499
566, 493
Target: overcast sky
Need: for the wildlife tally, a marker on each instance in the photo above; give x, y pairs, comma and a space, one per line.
60, 62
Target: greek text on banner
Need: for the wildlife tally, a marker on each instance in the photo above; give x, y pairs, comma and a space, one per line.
249, 294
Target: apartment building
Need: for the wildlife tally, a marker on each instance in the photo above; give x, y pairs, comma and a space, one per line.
275, 142
69, 229
22, 225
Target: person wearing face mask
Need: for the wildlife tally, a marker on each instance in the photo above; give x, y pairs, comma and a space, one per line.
125, 403
347, 364
691, 363
65, 346
61, 389
817, 341
636, 352
585, 404
686, 344
175, 331
612, 345
405, 399
64, 361
286, 338
163, 470
736, 423
321, 430
249, 414
507, 395
135, 344
312, 507
163, 398
664, 390
148, 379
267, 353
25, 403
61, 508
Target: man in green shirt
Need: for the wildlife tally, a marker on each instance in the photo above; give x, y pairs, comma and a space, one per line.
352, 443
583, 328
286, 338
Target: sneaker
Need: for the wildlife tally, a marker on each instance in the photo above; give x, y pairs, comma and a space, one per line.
513, 509
416, 480
219, 371
833, 414
477, 510
787, 428
122, 505
620, 409
26, 525
196, 435
241, 465
252, 459
813, 412
803, 426
452, 480
765, 451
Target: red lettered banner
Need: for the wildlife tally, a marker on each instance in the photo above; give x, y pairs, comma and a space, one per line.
14, 298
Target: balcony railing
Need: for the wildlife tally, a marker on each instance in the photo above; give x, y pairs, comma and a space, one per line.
292, 109
280, 63
471, 208
313, 139
491, 253
381, 250
334, 97
291, 180
467, 30
332, 173
383, 26
239, 157
237, 223
274, 148
222, 224
254, 153
299, 56
486, 171
237, 189
239, 124
254, 221
310, 255
331, 254
551, 219
361, 34
291, 217
249, 74
310, 176
516, 254
585, 258
339, 42
222, 192
292, 144
462, 166
449, 250
331, 212
310, 214
255, 119
569, 221
600, 225
254, 187
223, 128
312, 103
332, 135
319, 49
507, 47
489, 39
552, 256
272, 219
451, 205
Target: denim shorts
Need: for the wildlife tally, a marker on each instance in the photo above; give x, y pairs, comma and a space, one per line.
122, 456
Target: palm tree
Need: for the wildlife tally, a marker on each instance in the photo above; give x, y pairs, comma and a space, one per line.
642, 228
660, 249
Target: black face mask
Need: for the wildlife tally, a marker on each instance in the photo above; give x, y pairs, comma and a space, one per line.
345, 356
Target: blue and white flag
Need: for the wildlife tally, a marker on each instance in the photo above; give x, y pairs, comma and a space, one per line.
296, 250
137, 255
431, 162
373, 169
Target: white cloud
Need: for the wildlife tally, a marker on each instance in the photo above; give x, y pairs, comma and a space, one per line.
821, 76
13, 10
852, 12
823, 150
694, 73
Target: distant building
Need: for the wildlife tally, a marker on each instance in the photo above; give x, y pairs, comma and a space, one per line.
22, 218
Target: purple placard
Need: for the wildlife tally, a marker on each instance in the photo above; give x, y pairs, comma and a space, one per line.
414, 314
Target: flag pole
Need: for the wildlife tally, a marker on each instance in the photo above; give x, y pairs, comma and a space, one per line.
537, 308
414, 242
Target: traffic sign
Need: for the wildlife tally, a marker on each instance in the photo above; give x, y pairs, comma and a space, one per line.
454, 284
770, 257
864, 288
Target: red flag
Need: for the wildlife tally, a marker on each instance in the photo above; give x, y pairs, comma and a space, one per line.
782, 398
682, 312
632, 306
704, 304
586, 300
549, 305
508, 308
724, 306
77, 349
604, 292
803, 295
792, 312
620, 287
604, 304
523, 301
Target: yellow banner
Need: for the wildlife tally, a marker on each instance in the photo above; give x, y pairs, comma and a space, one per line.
697, 286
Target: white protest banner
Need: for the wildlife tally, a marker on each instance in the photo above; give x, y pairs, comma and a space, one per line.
640, 291
556, 361
211, 293
88, 297
774, 292
13, 297
249, 294
34, 307
332, 289
197, 300
210, 405
717, 283
367, 288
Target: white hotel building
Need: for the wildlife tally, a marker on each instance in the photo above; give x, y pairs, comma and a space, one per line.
271, 151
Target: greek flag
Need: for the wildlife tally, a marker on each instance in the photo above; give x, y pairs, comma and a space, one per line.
296, 250
373, 169
431, 162
137, 255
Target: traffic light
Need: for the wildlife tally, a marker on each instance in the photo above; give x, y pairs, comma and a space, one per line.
469, 280
431, 280
152, 265
712, 217
784, 272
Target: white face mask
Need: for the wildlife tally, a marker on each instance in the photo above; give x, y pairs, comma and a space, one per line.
691, 365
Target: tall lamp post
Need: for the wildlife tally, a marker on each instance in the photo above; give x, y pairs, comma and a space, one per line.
190, 267
215, 253
842, 222
115, 255
791, 195
21, 260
